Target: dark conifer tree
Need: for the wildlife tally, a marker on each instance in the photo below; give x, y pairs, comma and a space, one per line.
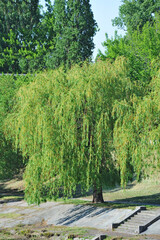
21, 19
75, 28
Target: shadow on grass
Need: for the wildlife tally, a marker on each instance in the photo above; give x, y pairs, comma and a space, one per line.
10, 195
117, 189
113, 205
148, 199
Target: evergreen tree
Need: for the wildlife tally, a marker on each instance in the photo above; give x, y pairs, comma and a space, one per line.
81, 28
58, 53
75, 28
19, 16
19, 25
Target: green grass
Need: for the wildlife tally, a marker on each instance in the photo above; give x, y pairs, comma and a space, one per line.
11, 197
11, 190
146, 192
106, 204
40, 232
37, 232
9, 215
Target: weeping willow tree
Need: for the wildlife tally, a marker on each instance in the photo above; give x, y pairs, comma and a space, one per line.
62, 121
137, 133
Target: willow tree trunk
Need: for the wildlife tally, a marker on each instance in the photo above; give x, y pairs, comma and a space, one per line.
97, 195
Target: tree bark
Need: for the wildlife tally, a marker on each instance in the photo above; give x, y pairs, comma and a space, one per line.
97, 195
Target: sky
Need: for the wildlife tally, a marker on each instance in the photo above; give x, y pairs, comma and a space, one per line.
104, 11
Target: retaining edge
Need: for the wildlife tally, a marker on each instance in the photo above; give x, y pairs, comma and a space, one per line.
144, 227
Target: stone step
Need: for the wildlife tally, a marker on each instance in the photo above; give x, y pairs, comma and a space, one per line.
132, 224
144, 220
143, 217
134, 221
134, 218
127, 227
147, 213
125, 231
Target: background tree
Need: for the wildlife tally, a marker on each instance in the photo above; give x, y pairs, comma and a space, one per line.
136, 127
34, 54
140, 48
21, 17
57, 52
133, 13
136, 134
75, 28
19, 25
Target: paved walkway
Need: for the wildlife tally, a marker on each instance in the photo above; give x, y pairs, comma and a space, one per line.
14, 213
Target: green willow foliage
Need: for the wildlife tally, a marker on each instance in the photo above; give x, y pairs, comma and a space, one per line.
136, 128
10, 159
137, 134
63, 123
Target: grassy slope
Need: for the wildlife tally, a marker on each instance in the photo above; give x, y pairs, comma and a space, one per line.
145, 192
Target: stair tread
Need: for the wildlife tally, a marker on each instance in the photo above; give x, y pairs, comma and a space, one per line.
138, 222
127, 227
144, 213
139, 219
132, 223
126, 230
144, 216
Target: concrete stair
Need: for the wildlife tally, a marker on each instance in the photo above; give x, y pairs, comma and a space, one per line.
138, 222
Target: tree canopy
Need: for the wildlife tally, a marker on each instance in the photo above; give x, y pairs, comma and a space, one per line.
81, 125
11, 161
63, 122
136, 134
75, 28
140, 48
136, 128
133, 13
19, 23
33, 39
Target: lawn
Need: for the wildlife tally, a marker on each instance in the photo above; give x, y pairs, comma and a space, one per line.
139, 193
146, 192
